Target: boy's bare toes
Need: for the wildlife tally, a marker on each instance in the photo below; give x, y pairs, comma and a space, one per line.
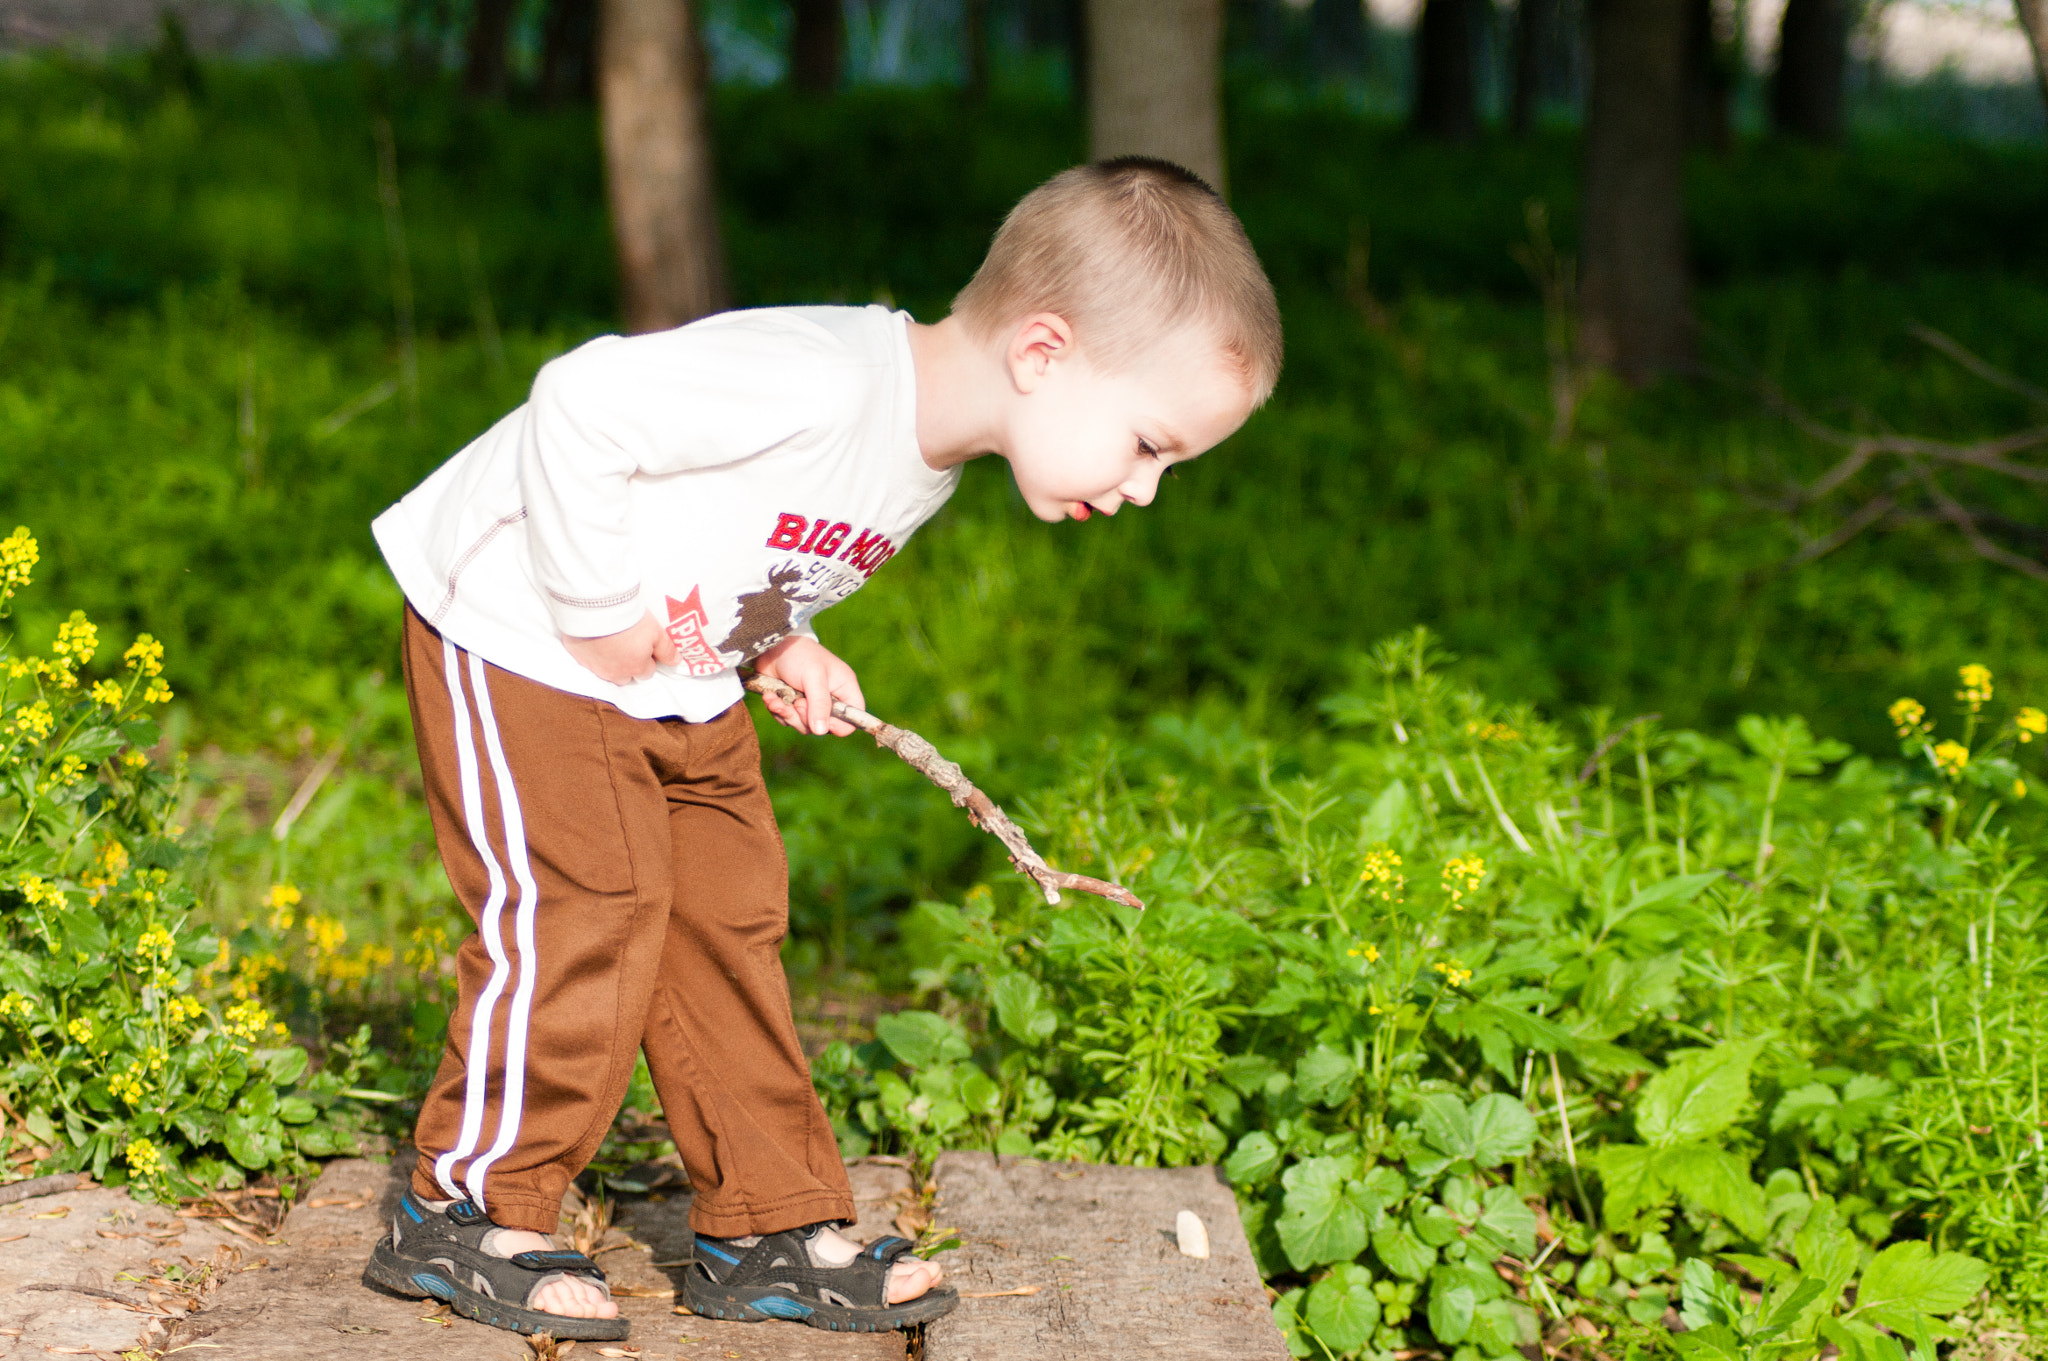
573, 1299
910, 1279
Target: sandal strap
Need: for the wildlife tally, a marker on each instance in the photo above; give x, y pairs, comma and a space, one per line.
785, 1259
457, 1236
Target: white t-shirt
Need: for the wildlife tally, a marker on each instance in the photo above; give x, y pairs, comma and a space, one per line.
734, 476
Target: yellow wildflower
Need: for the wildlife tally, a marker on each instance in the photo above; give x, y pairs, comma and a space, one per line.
2031, 722
425, 949
146, 655
108, 866
1462, 874
108, 693
41, 892
1908, 717
1370, 954
15, 1005
143, 1158
135, 758
247, 1020
159, 692
1382, 871
156, 941
1950, 757
80, 1030
1491, 732
2019, 789
32, 722
326, 933
128, 1085
77, 639
184, 1010
18, 557
282, 899
1976, 691
1453, 972
17, 667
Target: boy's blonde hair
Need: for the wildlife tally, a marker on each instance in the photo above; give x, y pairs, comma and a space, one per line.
1126, 250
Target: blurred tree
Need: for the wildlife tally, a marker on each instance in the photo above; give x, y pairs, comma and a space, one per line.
1446, 89
1635, 298
1535, 22
652, 79
817, 46
568, 51
1153, 71
974, 37
1713, 53
483, 65
1813, 57
2034, 21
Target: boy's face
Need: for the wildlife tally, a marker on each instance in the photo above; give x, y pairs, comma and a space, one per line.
1081, 440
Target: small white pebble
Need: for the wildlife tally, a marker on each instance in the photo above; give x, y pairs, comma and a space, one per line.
1194, 1239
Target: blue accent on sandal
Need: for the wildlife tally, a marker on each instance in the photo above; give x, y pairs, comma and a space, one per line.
775, 1306
406, 1204
434, 1285
705, 1245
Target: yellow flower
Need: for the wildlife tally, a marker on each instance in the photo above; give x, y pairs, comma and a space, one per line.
80, 1030
2019, 789
77, 639
1383, 872
108, 693
282, 899
108, 866
17, 667
1907, 716
426, 946
128, 1085
135, 758
1372, 1011
1491, 732
146, 655
1976, 689
1462, 874
1950, 757
156, 941
158, 692
15, 1005
247, 1020
2031, 722
184, 1010
326, 933
143, 1158
40, 892
1453, 972
32, 722
17, 557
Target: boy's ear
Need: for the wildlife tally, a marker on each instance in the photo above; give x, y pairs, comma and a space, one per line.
1038, 342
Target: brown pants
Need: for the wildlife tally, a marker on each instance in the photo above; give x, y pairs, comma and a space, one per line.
631, 892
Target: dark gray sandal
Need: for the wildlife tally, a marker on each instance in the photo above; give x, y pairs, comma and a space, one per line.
440, 1253
777, 1277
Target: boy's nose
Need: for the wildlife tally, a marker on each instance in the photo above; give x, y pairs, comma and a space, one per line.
1141, 487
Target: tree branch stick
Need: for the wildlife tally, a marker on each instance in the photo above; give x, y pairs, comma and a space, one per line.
982, 811
54, 1184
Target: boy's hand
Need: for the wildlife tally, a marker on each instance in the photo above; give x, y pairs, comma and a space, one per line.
806, 664
626, 656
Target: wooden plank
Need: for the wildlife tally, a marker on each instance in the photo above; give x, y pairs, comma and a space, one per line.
1098, 1243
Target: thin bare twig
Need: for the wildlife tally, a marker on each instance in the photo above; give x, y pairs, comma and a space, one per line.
92, 1290
1607, 744
55, 1184
1867, 515
1988, 372
982, 811
1964, 521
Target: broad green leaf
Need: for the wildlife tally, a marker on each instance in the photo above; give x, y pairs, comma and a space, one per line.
296, 1110
1324, 1076
1255, 1158
1374, 1192
1022, 1009
1319, 1223
921, 1039
1715, 1180
1502, 1130
979, 1093
1769, 1270
1401, 1252
1342, 1309
285, 1065
1247, 1074
1714, 1342
1445, 1126
1387, 818
1450, 1311
1630, 1174
1499, 1326
1908, 1279
1804, 1106
1506, 1224
1856, 1341
1432, 1225
1700, 1094
1287, 1318
1785, 1305
1706, 1296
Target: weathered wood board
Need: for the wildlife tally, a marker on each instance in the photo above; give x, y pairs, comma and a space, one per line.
1099, 1244
310, 1300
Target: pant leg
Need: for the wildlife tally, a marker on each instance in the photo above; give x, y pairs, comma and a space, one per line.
555, 835
720, 1040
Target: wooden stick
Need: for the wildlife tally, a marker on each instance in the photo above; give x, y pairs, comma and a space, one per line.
982, 811
43, 1186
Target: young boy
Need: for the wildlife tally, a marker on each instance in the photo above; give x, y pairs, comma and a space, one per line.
582, 582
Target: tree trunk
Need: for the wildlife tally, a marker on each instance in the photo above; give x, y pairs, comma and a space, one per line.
1813, 57
1710, 59
1535, 23
1075, 38
974, 37
1154, 69
483, 67
1446, 92
817, 42
2034, 20
657, 152
1636, 305
568, 51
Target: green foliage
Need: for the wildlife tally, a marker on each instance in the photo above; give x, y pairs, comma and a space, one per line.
124, 1051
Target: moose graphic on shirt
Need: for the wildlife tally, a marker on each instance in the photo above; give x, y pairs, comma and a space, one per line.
766, 617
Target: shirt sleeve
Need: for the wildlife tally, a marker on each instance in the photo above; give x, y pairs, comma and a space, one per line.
619, 408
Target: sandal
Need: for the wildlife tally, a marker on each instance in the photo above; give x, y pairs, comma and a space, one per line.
440, 1253
779, 1278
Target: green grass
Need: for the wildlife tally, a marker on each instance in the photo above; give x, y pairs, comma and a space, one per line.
190, 295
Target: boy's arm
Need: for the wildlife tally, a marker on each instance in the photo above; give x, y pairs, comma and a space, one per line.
805, 664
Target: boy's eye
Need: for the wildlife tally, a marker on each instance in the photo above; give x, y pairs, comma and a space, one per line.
1145, 448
